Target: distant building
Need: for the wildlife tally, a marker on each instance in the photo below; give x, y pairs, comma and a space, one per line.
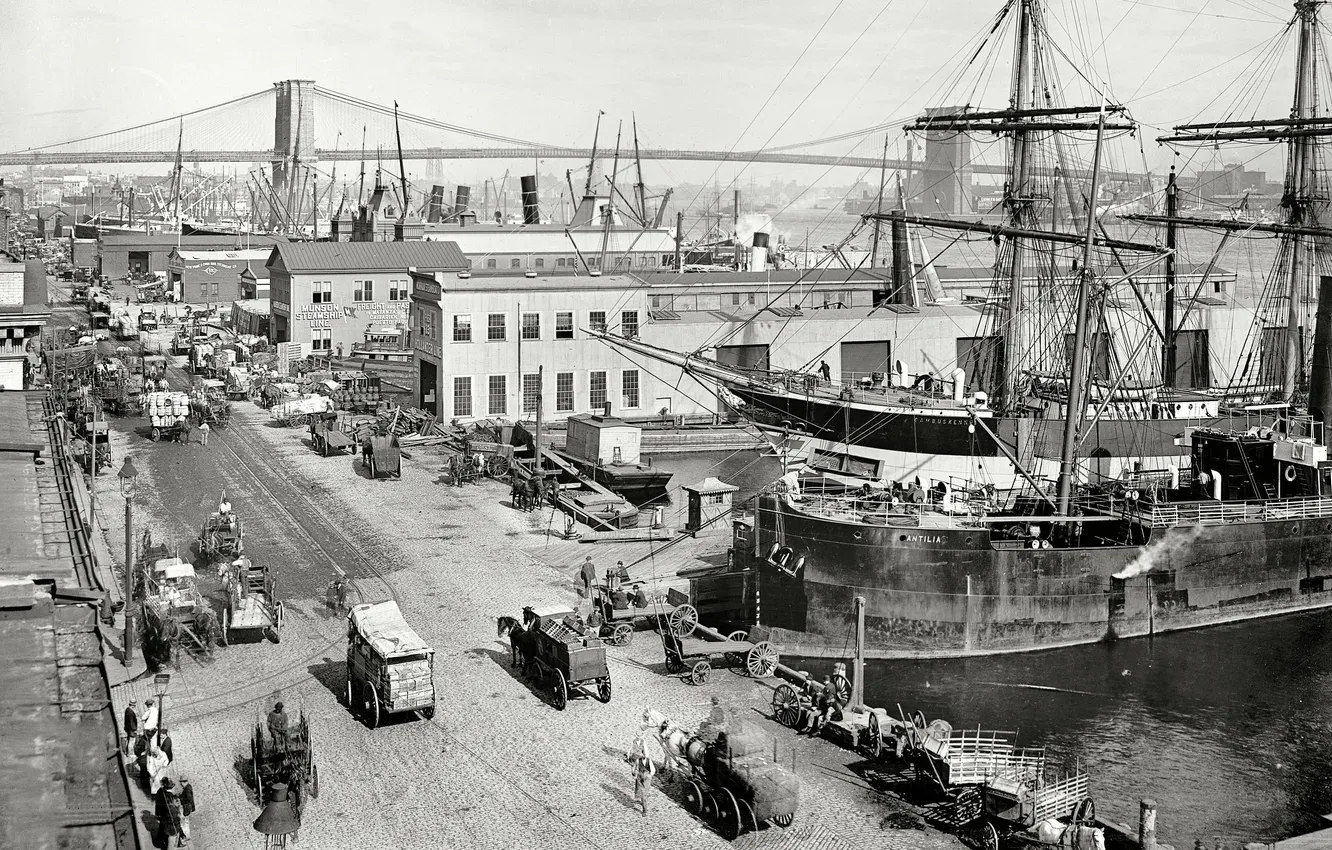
1230, 183
325, 295
121, 254
23, 314
211, 276
254, 280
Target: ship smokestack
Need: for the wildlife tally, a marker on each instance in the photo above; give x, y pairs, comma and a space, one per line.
435, 212
531, 212
460, 200
1320, 376
758, 258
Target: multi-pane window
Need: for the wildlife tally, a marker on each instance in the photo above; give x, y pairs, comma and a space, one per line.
531, 392
559, 262
629, 388
462, 396
540, 262
321, 292
497, 393
398, 290
564, 328
596, 390
531, 326
629, 323
363, 290
597, 320
515, 263
462, 327
321, 339
735, 299
564, 391
496, 330
490, 264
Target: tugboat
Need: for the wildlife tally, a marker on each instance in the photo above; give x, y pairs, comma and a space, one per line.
606, 449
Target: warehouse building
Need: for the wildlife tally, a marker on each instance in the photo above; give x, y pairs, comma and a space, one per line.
23, 314
208, 276
122, 254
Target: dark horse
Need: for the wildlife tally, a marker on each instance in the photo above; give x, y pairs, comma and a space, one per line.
526, 494
521, 639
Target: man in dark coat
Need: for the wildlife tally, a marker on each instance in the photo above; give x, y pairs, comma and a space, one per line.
166, 807
131, 725
164, 744
589, 576
277, 726
186, 809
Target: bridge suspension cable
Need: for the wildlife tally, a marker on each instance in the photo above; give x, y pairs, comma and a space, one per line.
358, 103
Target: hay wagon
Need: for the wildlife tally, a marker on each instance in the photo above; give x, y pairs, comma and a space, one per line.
252, 604
390, 670
565, 661
288, 759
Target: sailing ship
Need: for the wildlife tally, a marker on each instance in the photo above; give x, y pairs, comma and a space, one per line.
1239, 525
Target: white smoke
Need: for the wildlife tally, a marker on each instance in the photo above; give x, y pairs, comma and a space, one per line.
1174, 541
752, 223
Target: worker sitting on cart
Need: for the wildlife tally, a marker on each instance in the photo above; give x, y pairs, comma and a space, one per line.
277, 726
825, 705
640, 597
619, 599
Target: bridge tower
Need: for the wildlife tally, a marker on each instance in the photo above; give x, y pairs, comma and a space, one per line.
293, 140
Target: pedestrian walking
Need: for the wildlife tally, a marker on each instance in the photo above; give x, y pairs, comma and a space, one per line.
164, 744
203, 433
131, 725
186, 808
643, 771
589, 574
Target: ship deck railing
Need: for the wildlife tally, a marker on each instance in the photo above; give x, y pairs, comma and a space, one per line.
1214, 513
875, 388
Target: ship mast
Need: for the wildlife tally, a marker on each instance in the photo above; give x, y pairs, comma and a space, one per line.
1017, 205
1077, 376
1299, 176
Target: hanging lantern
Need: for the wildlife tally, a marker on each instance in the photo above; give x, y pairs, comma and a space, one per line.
278, 819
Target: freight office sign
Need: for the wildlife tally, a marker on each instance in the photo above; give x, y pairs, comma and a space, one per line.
324, 315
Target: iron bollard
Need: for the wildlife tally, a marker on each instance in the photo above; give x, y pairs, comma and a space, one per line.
1147, 825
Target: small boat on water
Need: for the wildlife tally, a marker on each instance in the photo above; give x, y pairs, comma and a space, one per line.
607, 450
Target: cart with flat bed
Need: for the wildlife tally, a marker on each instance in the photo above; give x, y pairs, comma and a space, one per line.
222, 536
620, 617
380, 454
699, 654
252, 604
285, 758
327, 438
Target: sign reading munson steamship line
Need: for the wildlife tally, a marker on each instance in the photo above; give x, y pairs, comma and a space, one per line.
324, 315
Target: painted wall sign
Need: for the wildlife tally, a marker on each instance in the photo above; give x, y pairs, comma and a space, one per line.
323, 315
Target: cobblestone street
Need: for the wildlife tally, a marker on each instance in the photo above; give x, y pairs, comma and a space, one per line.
498, 764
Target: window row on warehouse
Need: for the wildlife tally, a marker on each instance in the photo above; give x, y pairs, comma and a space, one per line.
489, 395
321, 291
530, 325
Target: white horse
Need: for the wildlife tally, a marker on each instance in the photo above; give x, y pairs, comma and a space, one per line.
676, 742
1053, 831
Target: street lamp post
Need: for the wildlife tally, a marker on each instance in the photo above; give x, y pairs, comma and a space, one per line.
127, 476
161, 683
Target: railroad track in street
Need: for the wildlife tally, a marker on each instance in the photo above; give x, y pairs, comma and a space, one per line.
361, 563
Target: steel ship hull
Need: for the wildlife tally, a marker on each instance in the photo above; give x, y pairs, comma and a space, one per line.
941, 591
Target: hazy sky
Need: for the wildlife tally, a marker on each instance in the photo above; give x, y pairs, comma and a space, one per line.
696, 73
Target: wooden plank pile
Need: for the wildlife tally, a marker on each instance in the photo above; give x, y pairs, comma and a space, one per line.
412, 426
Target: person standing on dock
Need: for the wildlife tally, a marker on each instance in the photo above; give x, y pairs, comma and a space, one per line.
589, 575
203, 433
131, 726
643, 770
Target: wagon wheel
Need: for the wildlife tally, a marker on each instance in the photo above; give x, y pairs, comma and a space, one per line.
497, 466
314, 780
969, 805
841, 688
559, 690
156, 434
728, 815
761, 660
373, 472
226, 626
372, 707
428, 713
623, 634
1084, 813
748, 823
683, 619
709, 804
737, 636
918, 719
698, 675
784, 820
351, 696
693, 798
786, 705
984, 836
875, 733
674, 663
275, 631
323, 447
604, 689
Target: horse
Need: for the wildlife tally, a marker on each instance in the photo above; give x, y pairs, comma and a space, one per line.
677, 743
526, 494
521, 640
1075, 836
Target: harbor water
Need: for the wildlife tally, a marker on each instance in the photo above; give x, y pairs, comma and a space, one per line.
1228, 728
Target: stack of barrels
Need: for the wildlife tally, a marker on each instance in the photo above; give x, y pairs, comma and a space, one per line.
166, 409
358, 398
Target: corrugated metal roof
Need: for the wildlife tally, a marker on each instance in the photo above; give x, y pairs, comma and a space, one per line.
166, 241
299, 257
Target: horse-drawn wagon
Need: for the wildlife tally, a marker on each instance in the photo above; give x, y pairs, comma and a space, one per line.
286, 756
698, 654
222, 535
252, 604
562, 658
381, 455
620, 613
389, 668
327, 437
175, 613
168, 415
209, 402
731, 782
